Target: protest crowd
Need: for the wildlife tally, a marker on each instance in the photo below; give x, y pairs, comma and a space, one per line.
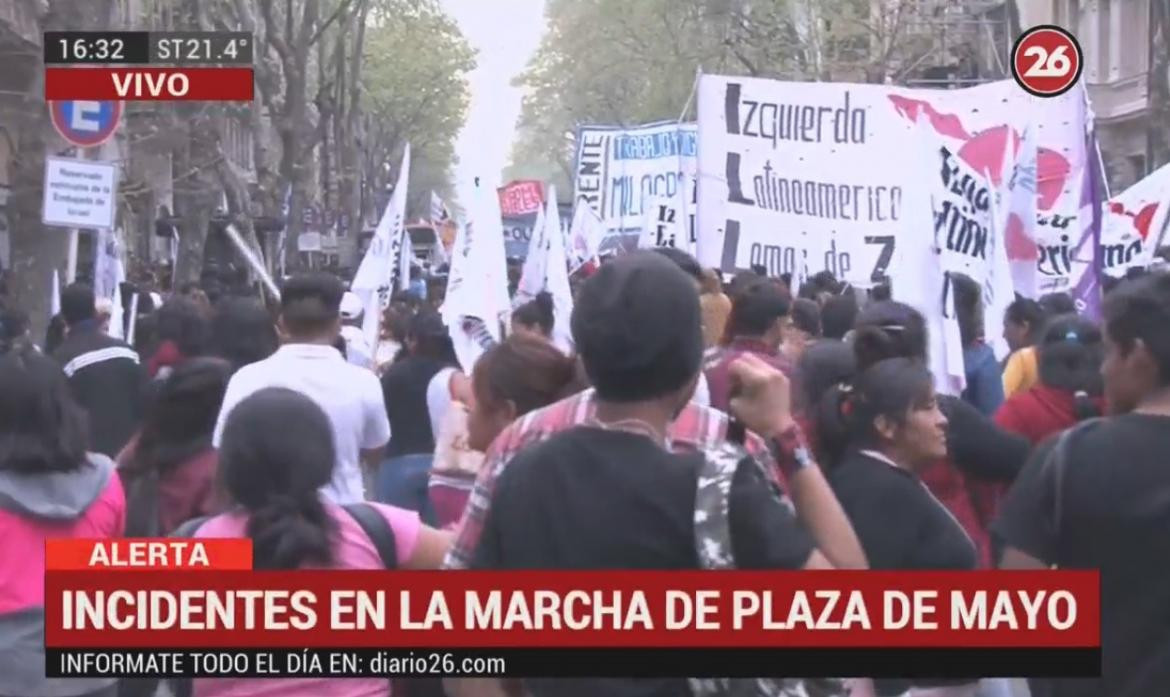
631, 408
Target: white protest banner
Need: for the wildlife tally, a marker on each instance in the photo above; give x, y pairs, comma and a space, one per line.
665, 225
80, 193
620, 170
918, 277
808, 173
375, 275
585, 234
1020, 225
1135, 223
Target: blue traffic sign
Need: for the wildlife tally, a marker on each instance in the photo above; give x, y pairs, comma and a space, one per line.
86, 123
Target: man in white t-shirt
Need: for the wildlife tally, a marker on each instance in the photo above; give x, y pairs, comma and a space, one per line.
309, 364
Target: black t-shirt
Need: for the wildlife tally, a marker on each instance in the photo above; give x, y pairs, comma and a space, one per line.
404, 389
594, 499
900, 525
1115, 516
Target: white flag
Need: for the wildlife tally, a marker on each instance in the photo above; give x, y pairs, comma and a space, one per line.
556, 280
375, 274
1134, 223
1020, 225
533, 273
55, 295
477, 284
585, 235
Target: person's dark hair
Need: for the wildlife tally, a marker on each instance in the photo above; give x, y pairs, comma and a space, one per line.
890, 388
838, 315
1070, 352
13, 327
182, 415
242, 332
1057, 304
429, 337
742, 280
823, 365
880, 293
806, 316
277, 450
684, 261
42, 429
1140, 310
182, 321
55, 333
310, 303
340, 344
1026, 311
394, 324
78, 303
968, 308
638, 328
538, 313
756, 307
526, 371
189, 288
889, 330
820, 282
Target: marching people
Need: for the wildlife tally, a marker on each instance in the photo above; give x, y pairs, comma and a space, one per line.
1098, 497
50, 487
104, 373
637, 447
417, 391
1070, 352
169, 467
242, 332
310, 319
511, 379
277, 460
1022, 323
757, 325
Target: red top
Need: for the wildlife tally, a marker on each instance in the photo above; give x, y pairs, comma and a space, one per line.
716, 367
1040, 412
168, 355
186, 491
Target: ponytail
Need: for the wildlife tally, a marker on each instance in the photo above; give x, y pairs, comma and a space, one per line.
276, 452
287, 532
538, 312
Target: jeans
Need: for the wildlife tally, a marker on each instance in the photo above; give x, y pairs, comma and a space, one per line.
402, 481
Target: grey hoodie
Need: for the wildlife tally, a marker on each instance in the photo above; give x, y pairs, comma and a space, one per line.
59, 496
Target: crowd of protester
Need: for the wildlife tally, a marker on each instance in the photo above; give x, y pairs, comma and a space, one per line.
805, 419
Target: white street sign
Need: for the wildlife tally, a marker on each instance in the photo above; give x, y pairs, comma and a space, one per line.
80, 193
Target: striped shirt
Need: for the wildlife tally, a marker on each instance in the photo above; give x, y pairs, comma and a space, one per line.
696, 428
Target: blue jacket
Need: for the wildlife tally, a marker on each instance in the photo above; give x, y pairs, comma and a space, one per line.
984, 381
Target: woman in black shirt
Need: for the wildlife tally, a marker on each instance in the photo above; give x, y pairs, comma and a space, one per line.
892, 427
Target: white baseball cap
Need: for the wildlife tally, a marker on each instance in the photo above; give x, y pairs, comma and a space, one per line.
351, 306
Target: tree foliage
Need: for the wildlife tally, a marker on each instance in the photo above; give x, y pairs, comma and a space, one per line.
627, 63
415, 89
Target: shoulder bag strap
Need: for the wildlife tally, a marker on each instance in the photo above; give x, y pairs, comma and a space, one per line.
374, 524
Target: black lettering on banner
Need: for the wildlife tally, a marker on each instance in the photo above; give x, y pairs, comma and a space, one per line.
806, 123
734, 187
777, 259
838, 263
731, 107
730, 246
592, 166
1120, 254
1055, 259
964, 217
884, 255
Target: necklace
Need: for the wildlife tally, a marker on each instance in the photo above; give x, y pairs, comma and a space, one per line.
635, 426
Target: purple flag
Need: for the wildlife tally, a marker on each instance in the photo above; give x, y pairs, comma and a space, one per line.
1087, 291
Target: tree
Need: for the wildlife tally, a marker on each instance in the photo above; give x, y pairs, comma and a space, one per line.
621, 63
415, 89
